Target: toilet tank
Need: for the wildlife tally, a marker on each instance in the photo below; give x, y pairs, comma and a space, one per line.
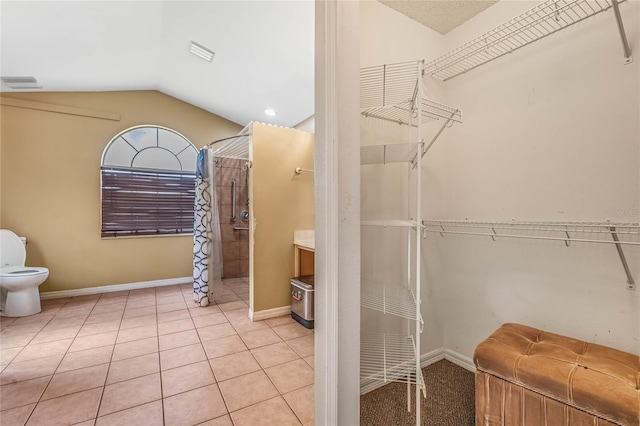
12, 251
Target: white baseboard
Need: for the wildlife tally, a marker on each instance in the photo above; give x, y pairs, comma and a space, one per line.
370, 385
432, 357
450, 355
114, 288
270, 313
459, 360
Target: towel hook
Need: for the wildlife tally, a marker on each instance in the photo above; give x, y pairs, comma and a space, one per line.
299, 170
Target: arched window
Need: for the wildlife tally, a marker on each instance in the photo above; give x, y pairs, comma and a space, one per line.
148, 183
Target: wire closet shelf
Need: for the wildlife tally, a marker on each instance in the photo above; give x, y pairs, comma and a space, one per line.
391, 153
388, 358
390, 223
390, 92
390, 299
596, 232
534, 24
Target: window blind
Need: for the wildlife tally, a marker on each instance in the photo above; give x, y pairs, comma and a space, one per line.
143, 202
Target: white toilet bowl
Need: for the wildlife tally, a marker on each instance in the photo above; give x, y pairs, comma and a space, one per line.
18, 283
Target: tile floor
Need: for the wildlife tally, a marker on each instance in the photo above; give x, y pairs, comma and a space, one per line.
150, 357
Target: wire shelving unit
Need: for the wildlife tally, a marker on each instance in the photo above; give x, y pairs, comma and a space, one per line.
389, 358
390, 299
386, 154
533, 25
396, 93
618, 234
391, 223
568, 228
393, 92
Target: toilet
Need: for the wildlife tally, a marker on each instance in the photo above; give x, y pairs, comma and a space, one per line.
19, 296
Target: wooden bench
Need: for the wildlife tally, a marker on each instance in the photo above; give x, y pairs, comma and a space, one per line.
525, 376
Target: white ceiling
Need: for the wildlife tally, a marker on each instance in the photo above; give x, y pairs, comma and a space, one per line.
264, 51
439, 15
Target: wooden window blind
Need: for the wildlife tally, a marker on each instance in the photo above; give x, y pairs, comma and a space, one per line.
142, 202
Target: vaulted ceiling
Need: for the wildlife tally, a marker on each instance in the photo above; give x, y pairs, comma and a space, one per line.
264, 50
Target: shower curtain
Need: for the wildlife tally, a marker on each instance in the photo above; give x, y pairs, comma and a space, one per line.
207, 246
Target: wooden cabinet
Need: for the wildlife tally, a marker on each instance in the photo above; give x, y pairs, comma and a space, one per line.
304, 261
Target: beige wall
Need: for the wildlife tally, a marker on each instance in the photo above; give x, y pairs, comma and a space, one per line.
281, 201
50, 184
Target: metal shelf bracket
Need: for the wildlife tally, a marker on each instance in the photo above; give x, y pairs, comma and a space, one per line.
625, 44
631, 285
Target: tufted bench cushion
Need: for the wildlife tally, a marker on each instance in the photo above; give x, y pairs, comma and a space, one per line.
517, 364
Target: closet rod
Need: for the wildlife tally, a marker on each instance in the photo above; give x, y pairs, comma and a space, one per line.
573, 227
581, 227
533, 237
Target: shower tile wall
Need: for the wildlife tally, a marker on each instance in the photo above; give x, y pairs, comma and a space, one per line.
235, 244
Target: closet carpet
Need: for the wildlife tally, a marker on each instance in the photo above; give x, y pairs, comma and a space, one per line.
450, 400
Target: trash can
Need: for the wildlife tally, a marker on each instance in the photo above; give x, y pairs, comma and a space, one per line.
302, 300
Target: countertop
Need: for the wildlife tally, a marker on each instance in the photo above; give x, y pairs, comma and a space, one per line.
305, 238
310, 244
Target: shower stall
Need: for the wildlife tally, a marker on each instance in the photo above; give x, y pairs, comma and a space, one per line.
221, 226
246, 215
232, 190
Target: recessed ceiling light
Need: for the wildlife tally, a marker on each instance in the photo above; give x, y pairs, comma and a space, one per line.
21, 82
270, 112
201, 51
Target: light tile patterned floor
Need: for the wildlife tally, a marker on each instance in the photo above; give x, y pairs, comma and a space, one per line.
151, 357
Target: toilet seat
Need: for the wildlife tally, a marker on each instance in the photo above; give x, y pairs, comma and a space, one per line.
22, 271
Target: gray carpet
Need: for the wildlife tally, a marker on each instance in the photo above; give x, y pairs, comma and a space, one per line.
450, 400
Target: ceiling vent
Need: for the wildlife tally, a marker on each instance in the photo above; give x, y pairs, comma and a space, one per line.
201, 51
21, 82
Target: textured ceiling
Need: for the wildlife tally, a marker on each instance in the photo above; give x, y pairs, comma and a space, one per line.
439, 15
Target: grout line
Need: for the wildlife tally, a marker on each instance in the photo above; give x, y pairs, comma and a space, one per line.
61, 359
206, 355
292, 410
128, 408
110, 358
159, 361
32, 410
121, 319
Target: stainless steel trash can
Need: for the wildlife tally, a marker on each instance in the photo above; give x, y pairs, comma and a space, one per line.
302, 300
